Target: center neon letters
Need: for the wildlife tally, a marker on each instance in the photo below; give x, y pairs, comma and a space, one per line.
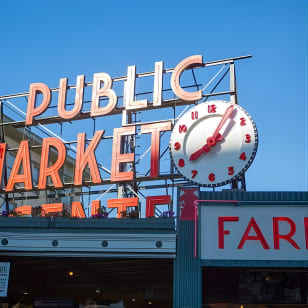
120, 204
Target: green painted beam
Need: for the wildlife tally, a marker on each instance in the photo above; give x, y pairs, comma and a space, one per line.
64, 224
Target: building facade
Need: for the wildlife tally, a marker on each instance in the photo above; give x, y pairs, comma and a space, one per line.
191, 262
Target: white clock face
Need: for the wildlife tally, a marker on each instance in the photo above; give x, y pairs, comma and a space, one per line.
213, 143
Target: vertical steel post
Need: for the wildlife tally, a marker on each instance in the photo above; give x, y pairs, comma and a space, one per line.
125, 121
233, 89
7, 207
233, 99
128, 144
187, 270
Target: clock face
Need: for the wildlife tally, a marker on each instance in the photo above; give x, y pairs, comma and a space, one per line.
213, 143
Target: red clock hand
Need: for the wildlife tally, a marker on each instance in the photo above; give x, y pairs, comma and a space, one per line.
223, 120
211, 141
205, 149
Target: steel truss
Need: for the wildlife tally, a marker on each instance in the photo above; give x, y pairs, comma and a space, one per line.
132, 188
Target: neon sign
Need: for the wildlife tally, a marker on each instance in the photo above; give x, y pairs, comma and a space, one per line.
85, 155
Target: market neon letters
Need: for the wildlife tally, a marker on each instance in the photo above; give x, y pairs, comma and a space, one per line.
258, 234
52, 161
155, 130
84, 158
2, 157
117, 157
53, 170
22, 160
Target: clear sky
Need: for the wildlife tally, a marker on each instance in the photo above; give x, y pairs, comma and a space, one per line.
43, 41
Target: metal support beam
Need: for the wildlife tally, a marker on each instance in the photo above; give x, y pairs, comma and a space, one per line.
7, 207
233, 99
233, 90
170, 70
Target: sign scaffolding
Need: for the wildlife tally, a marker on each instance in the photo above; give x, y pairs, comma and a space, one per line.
121, 170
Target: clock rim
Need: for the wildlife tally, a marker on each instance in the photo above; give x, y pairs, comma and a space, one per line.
247, 165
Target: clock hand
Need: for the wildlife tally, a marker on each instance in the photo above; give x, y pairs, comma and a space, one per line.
205, 149
223, 120
211, 141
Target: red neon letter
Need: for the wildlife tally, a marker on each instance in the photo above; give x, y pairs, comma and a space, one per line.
129, 93
98, 92
155, 200
222, 231
2, 157
306, 230
287, 237
189, 62
117, 158
87, 157
77, 210
51, 208
24, 158
158, 83
258, 237
63, 113
51, 171
155, 130
31, 110
122, 204
24, 210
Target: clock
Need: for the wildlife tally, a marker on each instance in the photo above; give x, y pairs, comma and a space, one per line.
213, 143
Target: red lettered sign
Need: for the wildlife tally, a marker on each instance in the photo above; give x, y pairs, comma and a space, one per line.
254, 233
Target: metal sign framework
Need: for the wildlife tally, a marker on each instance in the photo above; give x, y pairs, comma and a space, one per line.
168, 180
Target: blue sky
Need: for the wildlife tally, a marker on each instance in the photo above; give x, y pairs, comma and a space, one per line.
43, 41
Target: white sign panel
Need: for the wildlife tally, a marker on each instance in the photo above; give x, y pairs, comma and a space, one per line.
254, 233
4, 278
